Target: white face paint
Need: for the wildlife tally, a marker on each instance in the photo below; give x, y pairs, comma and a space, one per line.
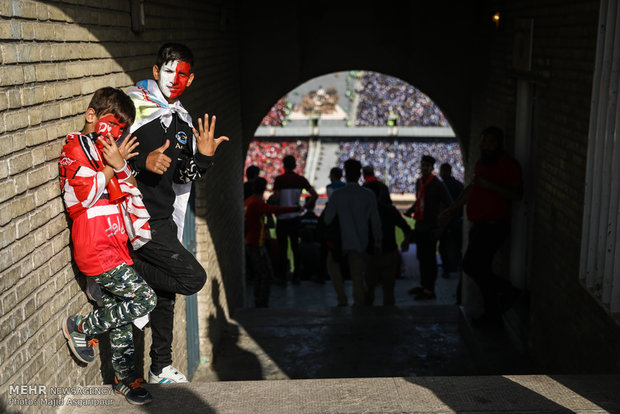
167, 72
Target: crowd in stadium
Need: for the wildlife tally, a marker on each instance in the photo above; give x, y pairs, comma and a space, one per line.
278, 114
397, 163
381, 94
382, 99
267, 155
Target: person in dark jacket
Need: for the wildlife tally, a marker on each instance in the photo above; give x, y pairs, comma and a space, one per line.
382, 268
432, 197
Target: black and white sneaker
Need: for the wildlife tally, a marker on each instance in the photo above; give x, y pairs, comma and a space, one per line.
82, 345
131, 387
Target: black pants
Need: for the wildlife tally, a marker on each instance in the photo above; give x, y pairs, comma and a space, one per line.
287, 229
169, 269
427, 256
485, 240
450, 245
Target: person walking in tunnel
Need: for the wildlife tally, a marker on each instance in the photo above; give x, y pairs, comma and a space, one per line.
372, 182
451, 238
355, 207
106, 212
382, 268
431, 198
287, 189
496, 183
251, 173
172, 155
255, 211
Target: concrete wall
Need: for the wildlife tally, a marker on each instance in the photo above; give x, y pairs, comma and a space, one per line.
55, 54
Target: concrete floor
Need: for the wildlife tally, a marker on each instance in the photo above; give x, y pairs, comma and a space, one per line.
304, 355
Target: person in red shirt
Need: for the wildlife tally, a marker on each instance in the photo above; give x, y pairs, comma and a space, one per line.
255, 211
495, 185
287, 189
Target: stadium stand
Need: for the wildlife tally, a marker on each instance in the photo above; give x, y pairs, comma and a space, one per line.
381, 95
267, 155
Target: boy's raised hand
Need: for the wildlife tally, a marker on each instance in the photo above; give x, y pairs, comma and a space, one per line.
111, 153
128, 145
205, 136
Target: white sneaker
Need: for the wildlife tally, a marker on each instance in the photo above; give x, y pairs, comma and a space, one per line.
168, 375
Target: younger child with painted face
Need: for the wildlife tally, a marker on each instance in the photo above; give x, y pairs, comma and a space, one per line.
106, 212
172, 155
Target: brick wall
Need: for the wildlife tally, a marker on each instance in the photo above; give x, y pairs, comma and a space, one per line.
569, 331
54, 55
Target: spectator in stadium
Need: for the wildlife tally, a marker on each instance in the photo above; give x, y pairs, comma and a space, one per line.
496, 183
452, 235
287, 189
371, 182
355, 207
383, 267
255, 210
431, 198
335, 178
251, 173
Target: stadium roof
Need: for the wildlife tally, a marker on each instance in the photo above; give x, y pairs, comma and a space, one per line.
361, 132
327, 106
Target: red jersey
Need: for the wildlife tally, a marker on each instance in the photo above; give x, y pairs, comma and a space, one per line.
483, 204
98, 230
255, 210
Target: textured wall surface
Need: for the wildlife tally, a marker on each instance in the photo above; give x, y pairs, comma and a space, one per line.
569, 331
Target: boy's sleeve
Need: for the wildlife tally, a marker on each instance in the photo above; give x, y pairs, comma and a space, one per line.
190, 166
80, 184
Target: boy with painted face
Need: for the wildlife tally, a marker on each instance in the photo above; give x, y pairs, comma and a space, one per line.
172, 154
102, 224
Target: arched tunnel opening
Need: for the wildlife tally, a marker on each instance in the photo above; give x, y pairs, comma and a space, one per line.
386, 124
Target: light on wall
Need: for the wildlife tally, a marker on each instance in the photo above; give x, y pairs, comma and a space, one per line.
495, 19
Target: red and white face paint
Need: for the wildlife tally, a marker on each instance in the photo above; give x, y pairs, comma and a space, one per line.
109, 124
173, 77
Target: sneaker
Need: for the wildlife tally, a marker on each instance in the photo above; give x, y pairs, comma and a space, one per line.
82, 345
168, 375
131, 387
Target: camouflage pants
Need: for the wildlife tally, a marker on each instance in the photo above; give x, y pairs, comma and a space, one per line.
125, 297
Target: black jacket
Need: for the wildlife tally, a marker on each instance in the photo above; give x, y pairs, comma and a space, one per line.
185, 166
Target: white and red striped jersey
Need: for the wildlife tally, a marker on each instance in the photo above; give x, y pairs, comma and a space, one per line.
98, 231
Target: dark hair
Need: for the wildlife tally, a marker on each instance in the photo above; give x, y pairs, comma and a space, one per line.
259, 185
495, 132
368, 171
252, 172
428, 158
446, 166
113, 101
289, 163
336, 172
170, 52
352, 170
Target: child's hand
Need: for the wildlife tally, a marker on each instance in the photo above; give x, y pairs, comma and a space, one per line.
111, 154
128, 145
205, 140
